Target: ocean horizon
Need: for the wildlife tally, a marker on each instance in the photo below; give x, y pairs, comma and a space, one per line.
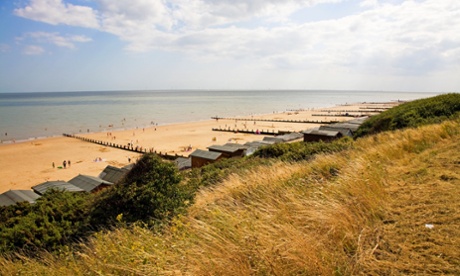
35, 115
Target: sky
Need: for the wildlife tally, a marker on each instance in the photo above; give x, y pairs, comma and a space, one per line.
92, 45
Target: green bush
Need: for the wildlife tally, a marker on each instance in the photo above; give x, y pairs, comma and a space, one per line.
413, 114
57, 218
151, 191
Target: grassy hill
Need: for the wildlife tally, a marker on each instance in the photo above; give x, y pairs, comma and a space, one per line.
413, 114
386, 205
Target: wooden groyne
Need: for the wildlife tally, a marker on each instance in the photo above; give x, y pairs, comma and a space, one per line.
278, 121
375, 108
351, 110
262, 132
337, 115
132, 148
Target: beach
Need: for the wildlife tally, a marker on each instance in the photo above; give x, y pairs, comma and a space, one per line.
30, 163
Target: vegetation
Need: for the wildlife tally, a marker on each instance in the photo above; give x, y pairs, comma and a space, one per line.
215, 173
413, 114
344, 212
56, 219
150, 193
302, 151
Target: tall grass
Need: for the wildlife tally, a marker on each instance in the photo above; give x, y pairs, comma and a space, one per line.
321, 217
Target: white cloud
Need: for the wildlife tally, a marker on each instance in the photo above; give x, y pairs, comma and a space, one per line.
207, 13
33, 50
402, 38
369, 3
57, 12
411, 37
54, 38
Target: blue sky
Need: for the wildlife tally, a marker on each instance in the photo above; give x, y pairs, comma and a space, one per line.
77, 45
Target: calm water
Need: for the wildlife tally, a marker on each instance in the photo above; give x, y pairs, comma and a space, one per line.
34, 115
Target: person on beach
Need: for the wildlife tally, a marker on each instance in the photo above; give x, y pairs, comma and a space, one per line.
68, 163
54, 166
64, 164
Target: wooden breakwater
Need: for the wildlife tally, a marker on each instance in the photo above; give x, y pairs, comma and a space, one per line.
130, 147
351, 110
375, 108
247, 131
277, 121
337, 115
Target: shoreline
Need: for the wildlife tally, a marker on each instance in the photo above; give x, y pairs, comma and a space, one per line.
129, 128
28, 163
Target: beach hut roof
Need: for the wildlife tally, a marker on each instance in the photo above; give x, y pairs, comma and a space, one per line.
238, 146
12, 197
290, 136
183, 163
316, 131
258, 143
352, 127
345, 131
273, 140
113, 174
358, 121
228, 148
255, 145
61, 185
88, 183
209, 155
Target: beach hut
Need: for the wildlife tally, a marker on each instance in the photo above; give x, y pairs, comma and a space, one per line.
316, 135
183, 163
203, 157
113, 174
12, 197
255, 145
229, 150
90, 184
273, 140
347, 128
59, 185
358, 121
289, 137
342, 129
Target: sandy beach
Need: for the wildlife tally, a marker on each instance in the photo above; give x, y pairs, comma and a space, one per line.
26, 164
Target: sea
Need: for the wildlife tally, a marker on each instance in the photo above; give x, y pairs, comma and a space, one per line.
29, 116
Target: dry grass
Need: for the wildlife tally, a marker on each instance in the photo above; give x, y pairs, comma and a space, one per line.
359, 212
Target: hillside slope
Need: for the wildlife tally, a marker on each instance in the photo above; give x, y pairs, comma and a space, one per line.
362, 211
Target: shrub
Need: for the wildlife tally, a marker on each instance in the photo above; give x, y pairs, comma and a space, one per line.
56, 218
150, 191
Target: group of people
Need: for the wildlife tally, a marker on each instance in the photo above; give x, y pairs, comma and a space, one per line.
65, 164
109, 134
